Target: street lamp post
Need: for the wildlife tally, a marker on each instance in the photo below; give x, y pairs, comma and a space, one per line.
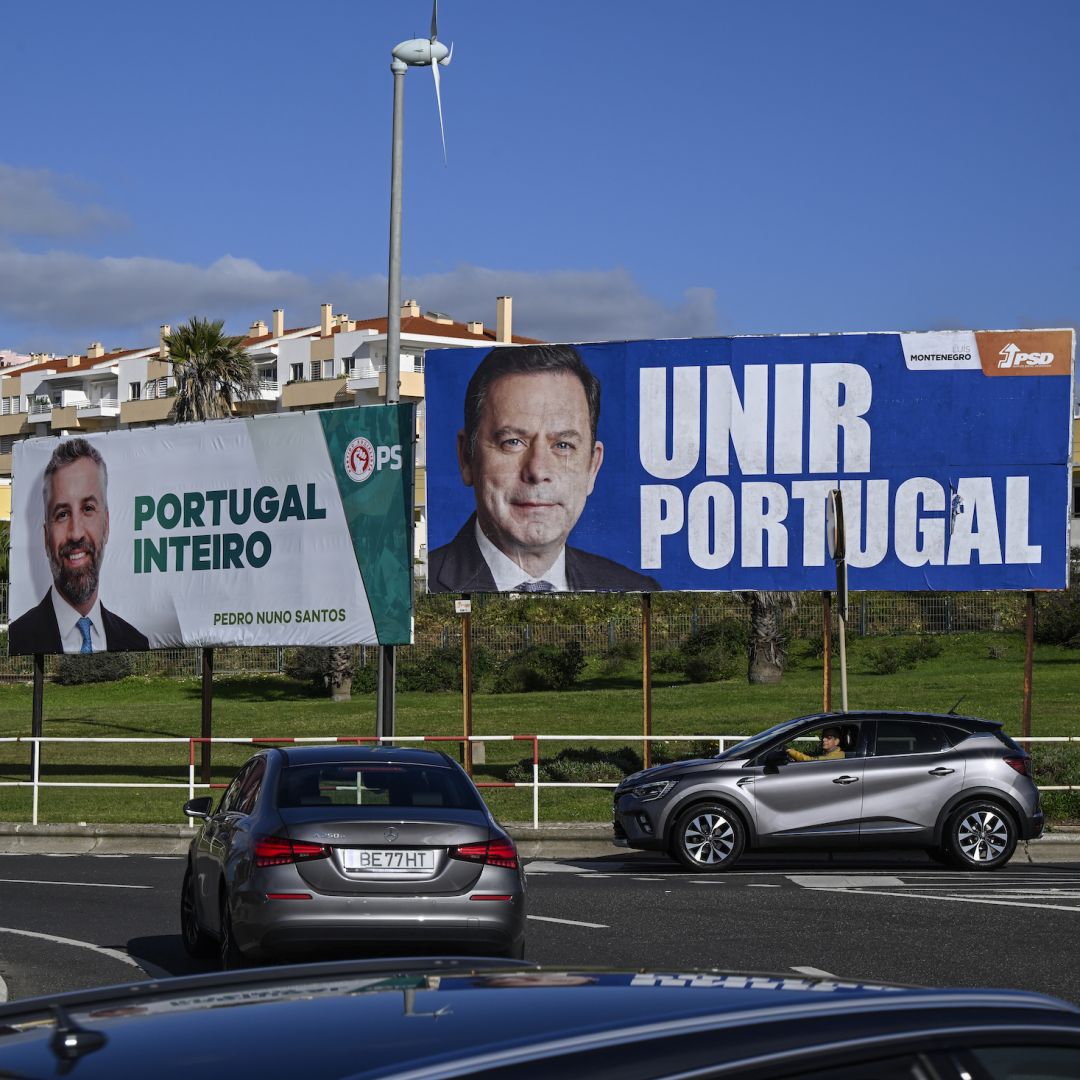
417, 52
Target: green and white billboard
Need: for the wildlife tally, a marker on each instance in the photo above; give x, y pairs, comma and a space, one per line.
288, 529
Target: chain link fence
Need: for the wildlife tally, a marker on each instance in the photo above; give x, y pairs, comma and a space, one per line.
869, 615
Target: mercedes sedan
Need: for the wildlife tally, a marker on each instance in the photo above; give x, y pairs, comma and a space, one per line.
334, 849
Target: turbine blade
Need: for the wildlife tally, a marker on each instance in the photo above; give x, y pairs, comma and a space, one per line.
438, 102
434, 19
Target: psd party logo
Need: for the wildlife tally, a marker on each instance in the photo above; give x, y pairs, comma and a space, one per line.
362, 458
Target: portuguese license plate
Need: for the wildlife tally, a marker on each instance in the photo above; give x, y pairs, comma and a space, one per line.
388, 861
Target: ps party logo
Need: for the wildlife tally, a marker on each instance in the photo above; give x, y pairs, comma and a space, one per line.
362, 458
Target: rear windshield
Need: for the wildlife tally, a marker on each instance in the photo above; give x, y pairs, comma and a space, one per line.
377, 784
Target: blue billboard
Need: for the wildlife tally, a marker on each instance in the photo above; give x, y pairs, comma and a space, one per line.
706, 464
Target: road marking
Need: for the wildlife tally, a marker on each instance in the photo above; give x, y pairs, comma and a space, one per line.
967, 900
83, 884
843, 881
754, 885
817, 972
645, 878
104, 950
709, 881
570, 922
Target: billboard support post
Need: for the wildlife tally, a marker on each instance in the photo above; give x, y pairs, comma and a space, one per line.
207, 710
1029, 656
646, 677
826, 656
37, 710
466, 679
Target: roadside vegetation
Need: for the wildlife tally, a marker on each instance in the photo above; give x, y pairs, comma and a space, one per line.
699, 689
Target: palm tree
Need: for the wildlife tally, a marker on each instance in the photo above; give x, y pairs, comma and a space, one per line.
767, 653
212, 370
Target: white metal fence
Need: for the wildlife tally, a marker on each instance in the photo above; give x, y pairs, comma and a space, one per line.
189, 783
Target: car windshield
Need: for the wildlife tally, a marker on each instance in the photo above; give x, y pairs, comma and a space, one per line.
399, 785
750, 746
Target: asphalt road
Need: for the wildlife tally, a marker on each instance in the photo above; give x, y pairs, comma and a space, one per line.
75, 921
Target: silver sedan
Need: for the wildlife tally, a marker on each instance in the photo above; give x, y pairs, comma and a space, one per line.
343, 849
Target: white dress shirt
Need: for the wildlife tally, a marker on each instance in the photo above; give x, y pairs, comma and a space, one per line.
508, 575
71, 638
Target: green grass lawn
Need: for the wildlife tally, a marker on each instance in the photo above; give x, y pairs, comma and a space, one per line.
985, 670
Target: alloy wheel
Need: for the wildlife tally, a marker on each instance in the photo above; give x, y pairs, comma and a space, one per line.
983, 836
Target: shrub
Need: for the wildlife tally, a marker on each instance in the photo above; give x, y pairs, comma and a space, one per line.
668, 661
922, 647
663, 751
1058, 618
591, 765
540, 667
731, 635
710, 665
885, 659
308, 664
76, 668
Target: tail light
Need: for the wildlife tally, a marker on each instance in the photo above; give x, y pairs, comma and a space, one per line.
493, 853
1021, 764
279, 851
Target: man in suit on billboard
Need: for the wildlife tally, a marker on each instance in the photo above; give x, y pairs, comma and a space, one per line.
70, 617
529, 452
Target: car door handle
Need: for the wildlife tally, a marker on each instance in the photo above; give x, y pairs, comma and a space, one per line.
743, 781
941, 771
845, 780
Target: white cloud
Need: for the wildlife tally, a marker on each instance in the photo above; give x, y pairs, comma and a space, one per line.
37, 202
61, 301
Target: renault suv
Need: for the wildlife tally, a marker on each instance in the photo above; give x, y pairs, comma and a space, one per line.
956, 786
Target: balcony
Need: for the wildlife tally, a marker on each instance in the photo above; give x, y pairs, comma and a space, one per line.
152, 410
102, 408
40, 410
301, 395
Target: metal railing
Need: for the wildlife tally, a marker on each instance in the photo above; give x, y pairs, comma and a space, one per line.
191, 785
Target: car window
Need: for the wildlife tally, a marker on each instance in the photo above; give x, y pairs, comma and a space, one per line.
1029, 1062
750, 746
233, 791
909, 737
249, 787
824, 743
899, 1067
352, 784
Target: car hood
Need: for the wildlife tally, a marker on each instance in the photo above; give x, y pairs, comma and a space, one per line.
670, 771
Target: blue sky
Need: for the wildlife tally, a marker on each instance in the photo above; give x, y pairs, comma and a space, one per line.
623, 169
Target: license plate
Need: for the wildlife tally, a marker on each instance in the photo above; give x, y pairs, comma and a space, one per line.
388, 861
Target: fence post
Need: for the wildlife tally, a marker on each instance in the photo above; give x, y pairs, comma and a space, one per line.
948, 614
611, 634
862, 615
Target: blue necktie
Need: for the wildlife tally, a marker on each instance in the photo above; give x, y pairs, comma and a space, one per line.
84, 628
535, 586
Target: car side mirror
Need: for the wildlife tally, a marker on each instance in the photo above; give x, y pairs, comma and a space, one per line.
777, 756
200, 807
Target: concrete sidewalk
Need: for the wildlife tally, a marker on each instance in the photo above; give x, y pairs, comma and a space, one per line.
553, 840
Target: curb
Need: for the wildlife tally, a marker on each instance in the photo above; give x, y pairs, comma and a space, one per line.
568, 840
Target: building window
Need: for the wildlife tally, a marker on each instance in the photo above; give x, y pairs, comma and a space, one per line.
296, 372
1076, 500
328, 369
316, 369
6, 443
135, 391
348, 364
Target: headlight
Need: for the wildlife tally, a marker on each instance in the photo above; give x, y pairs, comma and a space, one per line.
648, 792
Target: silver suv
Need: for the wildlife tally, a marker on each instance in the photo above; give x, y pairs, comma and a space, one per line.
957, 786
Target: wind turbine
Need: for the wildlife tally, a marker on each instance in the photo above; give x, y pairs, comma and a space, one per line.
416, 52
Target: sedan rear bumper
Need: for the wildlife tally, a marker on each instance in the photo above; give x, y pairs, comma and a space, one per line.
292, 927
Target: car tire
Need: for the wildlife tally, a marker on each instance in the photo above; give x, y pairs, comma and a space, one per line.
708, 838
981, 836
228, 951
197, 942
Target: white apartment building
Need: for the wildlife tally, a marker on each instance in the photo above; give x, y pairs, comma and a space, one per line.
337, 363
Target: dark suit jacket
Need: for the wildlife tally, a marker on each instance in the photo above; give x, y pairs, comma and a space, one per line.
36, 631
460, 567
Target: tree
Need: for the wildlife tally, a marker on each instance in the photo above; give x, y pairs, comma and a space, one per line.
212, 370
767, 639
